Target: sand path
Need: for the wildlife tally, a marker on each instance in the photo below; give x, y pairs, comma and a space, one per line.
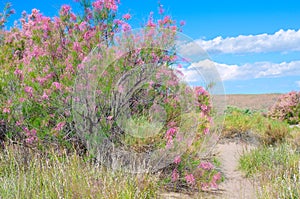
235, 186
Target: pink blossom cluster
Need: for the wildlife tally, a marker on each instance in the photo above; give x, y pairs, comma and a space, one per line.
206, 165
31, 135
287, 108
171, 132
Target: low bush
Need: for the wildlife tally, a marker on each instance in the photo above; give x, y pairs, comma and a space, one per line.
239, 122
287, 108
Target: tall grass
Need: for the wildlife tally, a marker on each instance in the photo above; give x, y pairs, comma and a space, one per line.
276, 169
25, 174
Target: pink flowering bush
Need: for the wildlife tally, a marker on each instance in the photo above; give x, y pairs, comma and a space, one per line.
42, 57
287, 108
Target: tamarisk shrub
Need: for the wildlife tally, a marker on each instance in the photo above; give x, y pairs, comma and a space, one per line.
41, 58
287, 108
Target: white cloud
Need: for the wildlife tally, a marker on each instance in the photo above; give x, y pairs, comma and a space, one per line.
209, 69
280, 41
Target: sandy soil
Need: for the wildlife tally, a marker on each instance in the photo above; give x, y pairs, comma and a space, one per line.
236, 186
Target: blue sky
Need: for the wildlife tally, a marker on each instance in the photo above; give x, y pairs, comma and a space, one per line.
255, 45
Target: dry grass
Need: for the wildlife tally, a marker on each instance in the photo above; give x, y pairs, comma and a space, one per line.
25, 174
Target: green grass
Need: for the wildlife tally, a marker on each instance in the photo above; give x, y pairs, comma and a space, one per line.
268, 131
25, 174
275, 169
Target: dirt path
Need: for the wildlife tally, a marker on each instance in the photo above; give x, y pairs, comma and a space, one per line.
235, 185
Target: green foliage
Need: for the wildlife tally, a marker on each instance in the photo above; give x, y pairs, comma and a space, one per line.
239, 122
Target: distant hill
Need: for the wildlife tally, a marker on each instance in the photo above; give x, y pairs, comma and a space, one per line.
252, 101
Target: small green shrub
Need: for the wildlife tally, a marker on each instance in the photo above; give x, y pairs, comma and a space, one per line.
239, 122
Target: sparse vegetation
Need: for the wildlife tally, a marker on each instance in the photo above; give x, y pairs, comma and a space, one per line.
276, 170
243, 123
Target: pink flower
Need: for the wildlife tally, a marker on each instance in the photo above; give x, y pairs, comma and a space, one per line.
127, 16
57, 85
118, 22
31, 135
174, 28
28, 90
206, 165
77, 47
171, 131
6, 110
175, 175
19, 123
204, 107
217, 176
12, 11
73, 16
204, 186
169, 143
126, 27
110, 118
177, 160
166, 20
19, 74
41, 80
65, 9
150, 22
98, 5
82, 26
190, 179
110, 4
182, 23
199, 90
206, 131
214, 185
60, 126
45, 96
88, 35
161, 9
33, 132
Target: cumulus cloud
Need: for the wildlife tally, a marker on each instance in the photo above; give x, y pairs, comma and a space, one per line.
206, 68
280, 41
